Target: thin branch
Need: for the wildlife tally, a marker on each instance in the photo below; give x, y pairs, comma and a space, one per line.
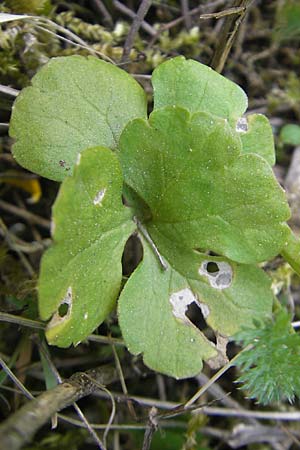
20, 427
45, 352
151, 428
89, 427
113, 410
23, 321
20, 212
105, 340
199, 9
128, 12
137, 21
213, 379
40, 23
228, 33
38, 325
17, 382
261, 415
208, 410
123, 382
99, 5
8, 238
8, 90
225, 13
185, 12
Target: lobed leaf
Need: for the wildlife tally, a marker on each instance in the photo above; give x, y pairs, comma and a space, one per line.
74, 103
170, 345
153, 307
257, 137
197, 87
82, 271
201, 190
197, 185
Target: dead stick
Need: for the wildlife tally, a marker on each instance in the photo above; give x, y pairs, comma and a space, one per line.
137, 21
228, 33
128, 12
29, 216
21, 426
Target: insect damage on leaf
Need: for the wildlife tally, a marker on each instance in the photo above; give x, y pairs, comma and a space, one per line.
64, 310
242, 125
88, 244
195, 175
219, 274
180, 301
99, 197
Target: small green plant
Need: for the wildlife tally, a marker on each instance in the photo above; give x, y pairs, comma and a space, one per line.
270, 362
290, 134
197, 187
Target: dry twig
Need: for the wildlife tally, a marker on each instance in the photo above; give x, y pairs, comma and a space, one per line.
137, 21
228, 32
20, 427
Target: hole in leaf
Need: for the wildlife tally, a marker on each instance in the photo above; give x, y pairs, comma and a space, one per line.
63, 309
218, 273
132, 255
212, 267
196, 314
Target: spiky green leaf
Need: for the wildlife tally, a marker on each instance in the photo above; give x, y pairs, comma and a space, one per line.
271, 364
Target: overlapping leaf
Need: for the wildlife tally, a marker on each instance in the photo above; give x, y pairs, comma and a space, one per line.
73, 103
199, 186
154, 304
201, 190
197, 176
197, 87
82, 270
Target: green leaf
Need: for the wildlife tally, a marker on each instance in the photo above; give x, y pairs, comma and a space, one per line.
197, 87
257, 136
287, 24
74, 103
291, 252
290, 134
153, 305
169, 344
200, 189
81, 273
271, 364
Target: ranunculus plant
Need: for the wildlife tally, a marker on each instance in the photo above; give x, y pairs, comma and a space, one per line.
194, 180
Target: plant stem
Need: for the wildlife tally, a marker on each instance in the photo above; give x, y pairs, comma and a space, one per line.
146, 235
